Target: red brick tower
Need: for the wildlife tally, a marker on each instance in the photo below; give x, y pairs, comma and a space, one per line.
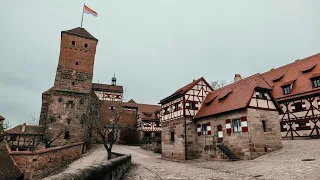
76, 61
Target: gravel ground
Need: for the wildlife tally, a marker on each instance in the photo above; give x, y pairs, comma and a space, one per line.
282, 164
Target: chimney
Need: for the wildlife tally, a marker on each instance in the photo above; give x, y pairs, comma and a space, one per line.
237, 77
23, 127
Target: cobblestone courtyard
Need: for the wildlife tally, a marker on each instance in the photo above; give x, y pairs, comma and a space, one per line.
283, 164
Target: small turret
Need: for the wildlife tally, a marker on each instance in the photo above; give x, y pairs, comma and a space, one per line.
114, 80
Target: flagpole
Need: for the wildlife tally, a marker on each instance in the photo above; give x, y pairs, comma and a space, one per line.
82, 15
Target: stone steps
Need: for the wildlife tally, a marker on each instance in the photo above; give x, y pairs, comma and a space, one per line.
229, 154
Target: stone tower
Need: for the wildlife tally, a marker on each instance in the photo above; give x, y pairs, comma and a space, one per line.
65, 106
76, 61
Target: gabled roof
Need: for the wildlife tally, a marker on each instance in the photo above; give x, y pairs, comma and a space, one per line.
106, 88
231, 97
1, 118
8, 170
184, 89
30, 129
301, 71
81, 32
148, 111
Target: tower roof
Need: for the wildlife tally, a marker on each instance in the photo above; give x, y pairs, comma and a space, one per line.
81, 32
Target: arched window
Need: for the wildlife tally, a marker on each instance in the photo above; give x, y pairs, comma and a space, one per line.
66, 135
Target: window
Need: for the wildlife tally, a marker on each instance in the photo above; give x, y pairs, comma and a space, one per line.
60, 99
157, 134
297, 107
147, 134
112, 107
13, 137
73, 83
192, 105
86, 45
70, 105
77, 63
172, 136
286, 89
166, 110
261, 95
302, 124
204, 129
264, 125
176, 106
316, 82
66, 135
236, 125
73, 43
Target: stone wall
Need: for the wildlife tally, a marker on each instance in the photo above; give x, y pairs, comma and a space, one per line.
247, 145
113, 169
173, 149
263, 142
39, 163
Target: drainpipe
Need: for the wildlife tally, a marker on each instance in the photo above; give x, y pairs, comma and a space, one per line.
185, 129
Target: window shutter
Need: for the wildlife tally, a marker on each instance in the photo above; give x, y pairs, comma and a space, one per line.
199, 129
304, 106
293, 107
228, 126
244, 124
209, 128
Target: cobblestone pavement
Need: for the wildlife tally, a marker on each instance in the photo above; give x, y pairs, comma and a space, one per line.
282, 164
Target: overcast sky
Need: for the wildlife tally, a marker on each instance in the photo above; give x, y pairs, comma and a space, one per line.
153, 46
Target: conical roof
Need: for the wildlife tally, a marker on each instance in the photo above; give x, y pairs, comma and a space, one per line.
81, 32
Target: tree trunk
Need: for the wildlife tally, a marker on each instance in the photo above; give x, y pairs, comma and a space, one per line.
109, 153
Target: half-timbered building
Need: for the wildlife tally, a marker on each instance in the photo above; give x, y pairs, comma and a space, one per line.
296, 87
24, 137
107, 92
177, 111
238, 121
149, 126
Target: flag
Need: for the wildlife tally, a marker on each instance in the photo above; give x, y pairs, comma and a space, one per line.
87, 10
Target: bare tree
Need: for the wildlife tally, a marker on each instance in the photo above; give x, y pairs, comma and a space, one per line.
108, 127
218, 84
47, 134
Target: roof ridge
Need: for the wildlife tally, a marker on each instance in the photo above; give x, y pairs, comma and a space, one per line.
241, 80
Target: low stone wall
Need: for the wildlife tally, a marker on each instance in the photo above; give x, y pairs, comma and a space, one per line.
39, 163
113, 169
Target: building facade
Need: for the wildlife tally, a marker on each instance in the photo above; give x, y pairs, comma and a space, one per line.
296, 87
241, 117
177, 111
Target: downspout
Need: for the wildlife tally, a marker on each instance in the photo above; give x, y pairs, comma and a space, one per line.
185, 129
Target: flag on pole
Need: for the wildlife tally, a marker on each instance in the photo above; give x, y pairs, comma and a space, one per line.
87, 10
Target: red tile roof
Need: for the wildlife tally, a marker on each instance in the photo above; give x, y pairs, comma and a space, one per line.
8, 169
301, 71
30, 129
79, 32
183, 90
231, 97
148, 111
106, 88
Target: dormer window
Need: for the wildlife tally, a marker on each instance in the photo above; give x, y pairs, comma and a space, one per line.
316, 82
286, 89
261, 95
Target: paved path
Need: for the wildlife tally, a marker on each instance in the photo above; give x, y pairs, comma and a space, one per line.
283, 164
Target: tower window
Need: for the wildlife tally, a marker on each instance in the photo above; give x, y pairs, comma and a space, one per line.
66, 135
77, 63
73, 83
264, 125
73, 43
86, 45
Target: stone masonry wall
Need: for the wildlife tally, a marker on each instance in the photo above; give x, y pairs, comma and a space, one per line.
37, 164
239, 142
176, 149
271, 140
